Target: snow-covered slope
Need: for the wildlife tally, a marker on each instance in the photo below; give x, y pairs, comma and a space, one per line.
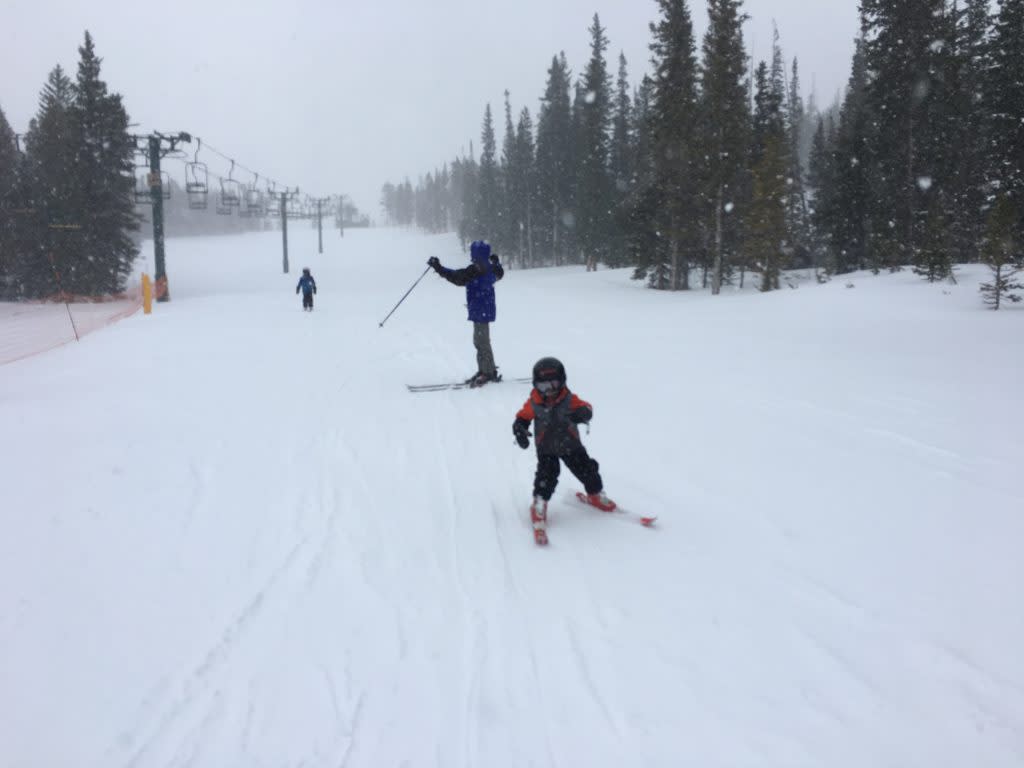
230, 537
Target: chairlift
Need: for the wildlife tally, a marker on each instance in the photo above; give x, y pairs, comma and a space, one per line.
254, 204
197, 186
273, 204
144, 186
230, 193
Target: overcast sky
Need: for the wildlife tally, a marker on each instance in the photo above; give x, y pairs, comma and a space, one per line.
339, 96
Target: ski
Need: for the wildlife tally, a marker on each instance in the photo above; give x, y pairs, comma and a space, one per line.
462, 385
644, 520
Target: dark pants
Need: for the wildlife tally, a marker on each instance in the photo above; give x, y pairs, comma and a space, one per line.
484, 354
578, 462
307, 300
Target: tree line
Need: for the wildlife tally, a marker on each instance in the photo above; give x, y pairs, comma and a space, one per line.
713, 167
66, 201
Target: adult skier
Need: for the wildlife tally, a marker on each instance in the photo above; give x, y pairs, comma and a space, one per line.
479, 278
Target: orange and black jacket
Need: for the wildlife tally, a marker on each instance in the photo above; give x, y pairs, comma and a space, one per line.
554, 421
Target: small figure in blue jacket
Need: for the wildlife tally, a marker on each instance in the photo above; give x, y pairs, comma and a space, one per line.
308, 287
479, 278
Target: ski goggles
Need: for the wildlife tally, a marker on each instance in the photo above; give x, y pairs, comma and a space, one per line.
548, 387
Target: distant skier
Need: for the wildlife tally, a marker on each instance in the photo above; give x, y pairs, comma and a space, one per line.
308, 287
479, 278
555, 413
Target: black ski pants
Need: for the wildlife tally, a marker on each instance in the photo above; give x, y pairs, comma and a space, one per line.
307, 300
578, 462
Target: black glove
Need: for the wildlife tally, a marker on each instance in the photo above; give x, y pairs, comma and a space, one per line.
581, 415
435, 263
494, 259
314, 290
296, 291
519, 429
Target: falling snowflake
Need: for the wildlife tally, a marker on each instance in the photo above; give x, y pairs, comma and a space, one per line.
729, 207
924, 183
590, 97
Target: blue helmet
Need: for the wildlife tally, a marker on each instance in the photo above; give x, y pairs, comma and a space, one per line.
480, 250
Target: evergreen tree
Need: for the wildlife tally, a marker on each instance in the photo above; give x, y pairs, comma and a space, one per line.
104, 174
507, 240
1006, 107
49, 147
9, 203
845, 210
593, 192
523, 186
972, 130
933, 258
389, 202
727, 117
900, 40
766, 221
1003, 251
554, 162
620, 165
645, 246
821, 185
488, 215
798, 223
674, 122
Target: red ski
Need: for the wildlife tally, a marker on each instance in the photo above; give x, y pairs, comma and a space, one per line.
539, 520
615, 509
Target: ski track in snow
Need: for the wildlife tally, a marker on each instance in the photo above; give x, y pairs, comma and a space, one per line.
316, 568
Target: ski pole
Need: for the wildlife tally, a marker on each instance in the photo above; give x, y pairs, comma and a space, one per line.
403, 298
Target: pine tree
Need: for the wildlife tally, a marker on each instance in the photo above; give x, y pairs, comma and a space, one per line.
798, 223
388, 202
1006, 107
594, 197
49, 146
1003, 251
972, 130
674, 122
766, 221
554, 163
645, 246
727, 117
900, 41
507, 239
821, 184
621, 164
104, 172
524, 186
9, 203
488, 213
846, 208
933, 257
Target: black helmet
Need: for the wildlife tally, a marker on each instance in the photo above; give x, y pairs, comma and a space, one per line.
305, 270
548, 375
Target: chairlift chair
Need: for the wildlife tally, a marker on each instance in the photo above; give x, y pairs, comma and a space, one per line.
254, 202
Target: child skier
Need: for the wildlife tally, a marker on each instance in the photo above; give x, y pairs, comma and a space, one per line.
556, 412
308, 287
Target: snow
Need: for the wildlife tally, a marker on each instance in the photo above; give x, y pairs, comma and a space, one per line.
230, 536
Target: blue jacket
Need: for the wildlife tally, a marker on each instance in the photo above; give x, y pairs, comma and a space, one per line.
307, 284
479, 279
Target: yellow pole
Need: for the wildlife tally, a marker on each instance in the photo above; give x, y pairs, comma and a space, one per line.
147, 294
